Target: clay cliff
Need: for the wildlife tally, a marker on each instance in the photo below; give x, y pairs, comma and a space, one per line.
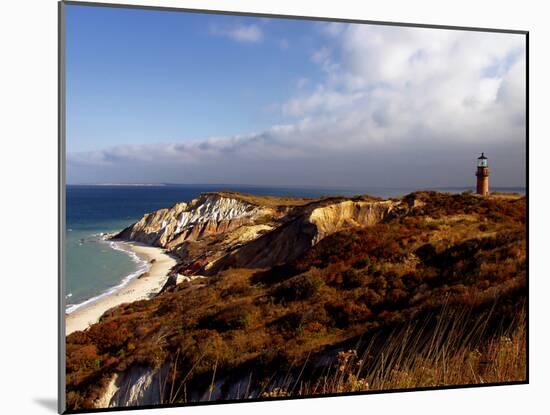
221, 230
209, 214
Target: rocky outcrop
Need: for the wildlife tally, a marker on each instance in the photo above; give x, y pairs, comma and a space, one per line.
335, 217
133, 387
284, 243
290, 240
209, 214
221, 230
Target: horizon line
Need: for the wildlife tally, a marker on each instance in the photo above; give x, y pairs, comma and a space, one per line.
159, 184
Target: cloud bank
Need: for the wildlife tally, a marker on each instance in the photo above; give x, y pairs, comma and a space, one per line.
400, 107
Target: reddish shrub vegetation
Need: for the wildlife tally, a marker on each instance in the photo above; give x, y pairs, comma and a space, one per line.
450, 251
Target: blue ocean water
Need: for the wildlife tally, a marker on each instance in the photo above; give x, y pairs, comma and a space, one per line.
94, 267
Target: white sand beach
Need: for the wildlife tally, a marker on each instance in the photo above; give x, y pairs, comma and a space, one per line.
137, 289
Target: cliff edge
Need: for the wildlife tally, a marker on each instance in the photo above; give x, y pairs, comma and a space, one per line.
227, 229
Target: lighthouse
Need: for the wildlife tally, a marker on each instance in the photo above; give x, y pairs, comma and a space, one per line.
482, 174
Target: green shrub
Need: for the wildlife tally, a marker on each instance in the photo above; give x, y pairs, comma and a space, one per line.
300, 287
296, 319
235, 317
362, 263
353, 278
345, 313
426, 252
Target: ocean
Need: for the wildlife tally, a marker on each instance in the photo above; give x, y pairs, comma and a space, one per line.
96, 267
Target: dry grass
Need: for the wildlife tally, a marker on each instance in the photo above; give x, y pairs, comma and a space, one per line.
506, 195
268, 201
282, 201
461, 349
458, 351
276, 331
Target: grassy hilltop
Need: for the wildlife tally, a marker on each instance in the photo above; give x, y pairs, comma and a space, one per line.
430, 295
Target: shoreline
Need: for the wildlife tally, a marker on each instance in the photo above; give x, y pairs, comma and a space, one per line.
139, 288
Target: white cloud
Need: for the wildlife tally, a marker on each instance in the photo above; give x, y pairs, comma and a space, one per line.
321, 101
397, 106
240, 33
392, 81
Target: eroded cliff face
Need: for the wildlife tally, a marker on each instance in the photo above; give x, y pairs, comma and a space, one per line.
134, 387
209, 214
218, 231
289, 240
335, 217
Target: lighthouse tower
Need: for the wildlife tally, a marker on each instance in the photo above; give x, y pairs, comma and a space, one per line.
482, 174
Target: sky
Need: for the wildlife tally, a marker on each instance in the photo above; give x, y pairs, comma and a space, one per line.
171, 97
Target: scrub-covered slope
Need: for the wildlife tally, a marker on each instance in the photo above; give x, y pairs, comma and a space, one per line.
278, 312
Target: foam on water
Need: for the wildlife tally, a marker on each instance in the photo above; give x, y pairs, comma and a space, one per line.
142, 266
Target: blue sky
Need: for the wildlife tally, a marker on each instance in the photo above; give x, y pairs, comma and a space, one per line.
136, 76
159, 96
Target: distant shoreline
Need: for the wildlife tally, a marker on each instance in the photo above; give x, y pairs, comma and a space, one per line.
291, 190
138, 288
297, 186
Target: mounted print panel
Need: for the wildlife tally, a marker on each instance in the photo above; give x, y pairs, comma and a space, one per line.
263, 207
